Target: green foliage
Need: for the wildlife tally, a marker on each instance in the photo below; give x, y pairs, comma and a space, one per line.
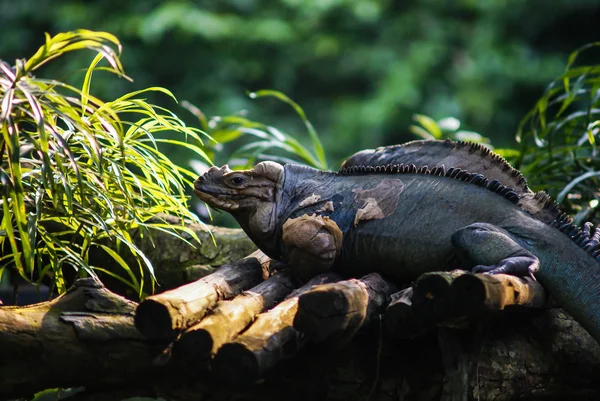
79, 173
264, 139
446, 128
559, 150
360, 68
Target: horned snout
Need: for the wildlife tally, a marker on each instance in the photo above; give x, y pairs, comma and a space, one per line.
211, 176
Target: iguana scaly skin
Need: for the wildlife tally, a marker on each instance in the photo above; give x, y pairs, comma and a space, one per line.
473, 157
403, 220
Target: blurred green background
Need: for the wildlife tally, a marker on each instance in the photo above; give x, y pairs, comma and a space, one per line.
360, 69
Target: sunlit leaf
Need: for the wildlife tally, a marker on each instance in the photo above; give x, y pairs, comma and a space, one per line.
77, 171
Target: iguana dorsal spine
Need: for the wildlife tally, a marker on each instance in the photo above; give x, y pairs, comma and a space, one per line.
548, 207
473, 157
454, 173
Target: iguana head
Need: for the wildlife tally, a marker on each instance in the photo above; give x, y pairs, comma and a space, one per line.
249, 195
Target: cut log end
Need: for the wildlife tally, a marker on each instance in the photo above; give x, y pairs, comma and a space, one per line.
335, 312
237, 364
400, 321
471, 294
433, 299
200, 341
154, 320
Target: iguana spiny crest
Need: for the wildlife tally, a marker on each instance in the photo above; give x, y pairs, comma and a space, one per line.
473, 157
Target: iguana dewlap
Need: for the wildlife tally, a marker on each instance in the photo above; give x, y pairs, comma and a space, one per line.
403, 221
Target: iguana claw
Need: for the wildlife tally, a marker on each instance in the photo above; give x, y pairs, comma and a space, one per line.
518, 266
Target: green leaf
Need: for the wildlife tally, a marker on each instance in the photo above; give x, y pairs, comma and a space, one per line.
429, 125
567, 189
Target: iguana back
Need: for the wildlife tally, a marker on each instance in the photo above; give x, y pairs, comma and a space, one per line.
473, 157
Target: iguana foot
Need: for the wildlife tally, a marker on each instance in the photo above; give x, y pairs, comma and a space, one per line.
312, 243
494, 251
520, 266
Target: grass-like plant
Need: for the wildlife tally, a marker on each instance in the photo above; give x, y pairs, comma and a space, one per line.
267, 142
77, 172
559, 138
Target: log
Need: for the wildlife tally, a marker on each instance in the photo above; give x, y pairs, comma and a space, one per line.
217, 246
479, 293
336, 311
399, 320
167, 314
85, 337
267, 341
175, 262
229, 318
433, 300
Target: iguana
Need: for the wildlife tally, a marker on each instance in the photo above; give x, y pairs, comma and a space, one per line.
404, 220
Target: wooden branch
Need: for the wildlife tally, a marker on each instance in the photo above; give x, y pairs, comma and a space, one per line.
433, 300
477, 293
399, 320
229, 318
336, 311
166, 314
85, 337
451, 299
267, 341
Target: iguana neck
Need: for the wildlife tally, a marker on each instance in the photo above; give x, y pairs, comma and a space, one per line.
261, 225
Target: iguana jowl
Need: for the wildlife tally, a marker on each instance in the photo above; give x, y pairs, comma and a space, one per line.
403, 220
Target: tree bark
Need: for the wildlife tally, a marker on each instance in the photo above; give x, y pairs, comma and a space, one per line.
165, 315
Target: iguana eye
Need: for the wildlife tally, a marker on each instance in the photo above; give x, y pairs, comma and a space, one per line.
237, 180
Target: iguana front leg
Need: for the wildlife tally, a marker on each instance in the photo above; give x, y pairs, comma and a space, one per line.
312, 244
493, 250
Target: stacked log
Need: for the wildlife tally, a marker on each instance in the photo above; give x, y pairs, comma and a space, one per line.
270, 339
229, 318
335, 312
167, 314
240, 322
